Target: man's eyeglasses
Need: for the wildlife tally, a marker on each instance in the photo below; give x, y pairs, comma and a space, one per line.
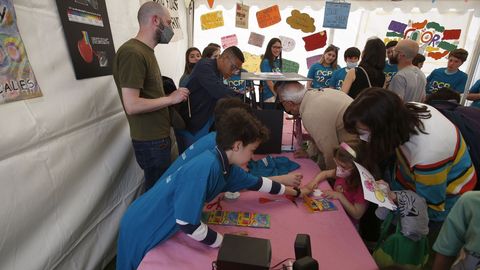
233, 67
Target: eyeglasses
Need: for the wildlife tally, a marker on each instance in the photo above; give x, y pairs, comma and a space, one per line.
277, 47
233, 67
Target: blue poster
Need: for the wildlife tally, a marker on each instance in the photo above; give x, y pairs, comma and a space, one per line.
336, 15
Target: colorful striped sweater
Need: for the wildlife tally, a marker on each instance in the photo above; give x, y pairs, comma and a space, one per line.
436, 165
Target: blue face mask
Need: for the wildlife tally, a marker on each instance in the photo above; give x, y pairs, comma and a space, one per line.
352, 64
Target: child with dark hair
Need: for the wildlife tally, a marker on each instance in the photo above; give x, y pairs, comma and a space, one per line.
443, 93
321, 72
418, 60
351, 56
347, 188
390, 67
211, 52
192, 56
449, 76
177, 202
432, 156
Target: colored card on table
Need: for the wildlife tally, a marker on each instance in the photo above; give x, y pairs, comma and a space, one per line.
319, 204
233, 218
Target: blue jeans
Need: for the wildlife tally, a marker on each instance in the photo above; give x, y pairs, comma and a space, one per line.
153, 157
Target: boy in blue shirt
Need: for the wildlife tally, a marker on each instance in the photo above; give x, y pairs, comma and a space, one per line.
176, 202
450, 76
351, 57
390, 69
474, 94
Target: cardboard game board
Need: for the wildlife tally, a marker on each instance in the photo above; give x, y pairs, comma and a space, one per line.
233, 218
319, 204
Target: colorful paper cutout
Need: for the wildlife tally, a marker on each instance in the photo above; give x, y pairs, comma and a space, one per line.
438, 55
252, 62
211, 20
290, 66
419, 25
268, 17
315, 41
436, 26
210, 3
301, 21
313, 59
241, 17
336, 14
447, 46
318, 204
397, 26
288, 44
256, 39
228, 41
451, 34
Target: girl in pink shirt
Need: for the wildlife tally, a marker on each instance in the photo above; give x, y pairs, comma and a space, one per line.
347, 188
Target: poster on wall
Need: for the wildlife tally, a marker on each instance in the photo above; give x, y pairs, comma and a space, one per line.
434, 40
17, 81
89, 39
241, 16
172, 6
336, 15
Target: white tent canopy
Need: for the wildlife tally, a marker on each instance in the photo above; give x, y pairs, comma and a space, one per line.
67, 170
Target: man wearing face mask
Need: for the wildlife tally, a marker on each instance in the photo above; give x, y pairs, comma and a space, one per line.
409, 82
351, 56
321, 113
140, 87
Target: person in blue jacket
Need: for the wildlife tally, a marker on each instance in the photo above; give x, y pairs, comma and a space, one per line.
450, 76
271, 62
351, 56
321, 72
176, 203
474, 94
208, 142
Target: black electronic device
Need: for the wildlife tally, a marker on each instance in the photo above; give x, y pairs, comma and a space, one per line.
273, 120
302, 246
305, 263
244, 253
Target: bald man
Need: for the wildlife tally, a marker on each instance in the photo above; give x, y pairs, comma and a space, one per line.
322, 115
409, 82
140, 87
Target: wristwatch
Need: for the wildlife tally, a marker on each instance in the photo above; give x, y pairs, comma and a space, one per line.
298, 192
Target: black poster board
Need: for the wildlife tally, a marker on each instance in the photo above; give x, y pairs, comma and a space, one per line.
89, 39
273, 120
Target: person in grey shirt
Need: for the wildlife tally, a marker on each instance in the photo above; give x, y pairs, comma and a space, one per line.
409, 82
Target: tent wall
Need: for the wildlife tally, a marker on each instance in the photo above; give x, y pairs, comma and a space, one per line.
67, 169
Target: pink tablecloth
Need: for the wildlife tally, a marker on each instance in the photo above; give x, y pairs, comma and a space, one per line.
335, 242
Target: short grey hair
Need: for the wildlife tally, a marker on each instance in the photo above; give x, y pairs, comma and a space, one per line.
148, 9
290, 91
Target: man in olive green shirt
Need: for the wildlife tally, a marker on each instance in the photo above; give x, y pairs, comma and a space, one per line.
140, 86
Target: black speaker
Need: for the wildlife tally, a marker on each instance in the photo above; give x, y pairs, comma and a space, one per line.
305, 263
273, 120
302, 246
244, 253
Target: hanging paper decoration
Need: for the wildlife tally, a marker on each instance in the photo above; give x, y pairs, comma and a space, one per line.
288, 44
336, 14
268, 17
301, 21
313, 59
432, 37
256, 39
210, 3
211, 20
290, 66
252, 62
228, 41
241, 18
315, 41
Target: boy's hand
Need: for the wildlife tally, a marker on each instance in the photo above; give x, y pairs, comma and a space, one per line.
293, 179
306, 190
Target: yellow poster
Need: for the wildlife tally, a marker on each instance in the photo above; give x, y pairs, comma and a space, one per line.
252, 62
211, 20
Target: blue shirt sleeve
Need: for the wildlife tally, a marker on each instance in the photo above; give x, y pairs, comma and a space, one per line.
211, 82
462, 82
265, 66
239, 179
476, 87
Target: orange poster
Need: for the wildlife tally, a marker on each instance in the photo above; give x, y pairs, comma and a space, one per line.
268, 17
